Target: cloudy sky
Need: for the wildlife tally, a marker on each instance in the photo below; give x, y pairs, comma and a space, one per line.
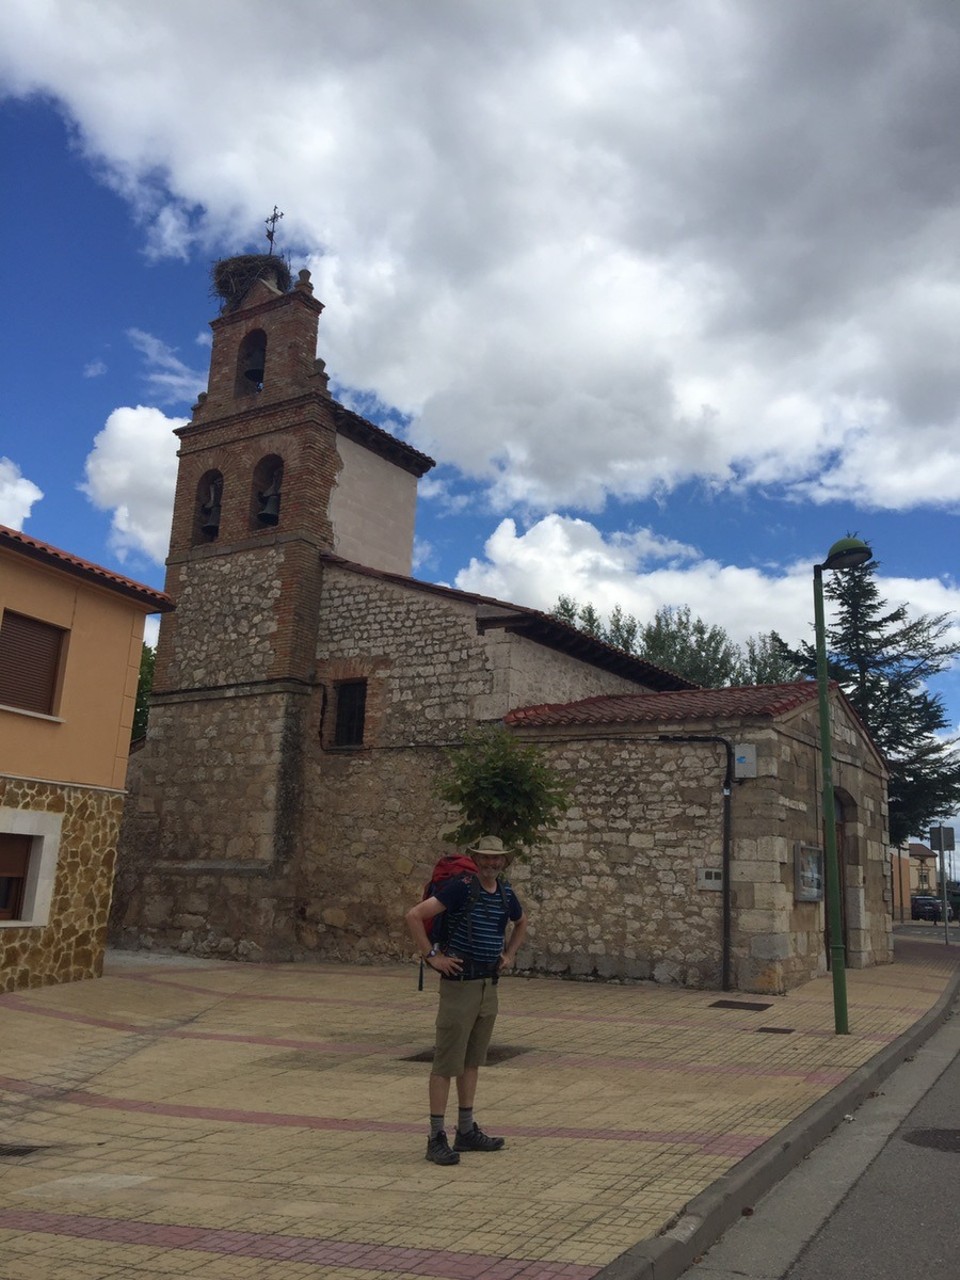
670, 290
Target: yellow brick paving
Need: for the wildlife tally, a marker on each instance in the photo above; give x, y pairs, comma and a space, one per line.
275, 1108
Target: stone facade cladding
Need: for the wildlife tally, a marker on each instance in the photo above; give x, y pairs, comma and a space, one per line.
70, 947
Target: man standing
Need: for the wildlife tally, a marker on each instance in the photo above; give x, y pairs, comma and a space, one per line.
470, 964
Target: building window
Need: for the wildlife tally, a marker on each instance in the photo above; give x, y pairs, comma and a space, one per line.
351, 707
29, 851
30, 654
14, 858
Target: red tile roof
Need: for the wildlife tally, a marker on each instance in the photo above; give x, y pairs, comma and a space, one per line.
761, 700
42, 552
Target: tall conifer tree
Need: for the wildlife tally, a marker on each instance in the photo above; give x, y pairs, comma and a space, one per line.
883, 660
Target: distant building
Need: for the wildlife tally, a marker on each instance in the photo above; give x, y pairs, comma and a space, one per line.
306, 687
70, 644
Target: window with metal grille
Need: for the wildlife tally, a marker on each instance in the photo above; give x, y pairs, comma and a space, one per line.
14, 857
30, 652
351, 706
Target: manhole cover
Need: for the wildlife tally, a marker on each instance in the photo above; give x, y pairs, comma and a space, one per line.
10, 1150
739, 1004
777, 1031
938, 1139
496, 1053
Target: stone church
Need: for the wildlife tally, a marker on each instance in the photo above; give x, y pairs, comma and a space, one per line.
282, 805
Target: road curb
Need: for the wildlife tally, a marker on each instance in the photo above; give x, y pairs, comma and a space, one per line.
708, 1215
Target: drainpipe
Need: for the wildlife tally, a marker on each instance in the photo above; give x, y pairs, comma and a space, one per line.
725, 965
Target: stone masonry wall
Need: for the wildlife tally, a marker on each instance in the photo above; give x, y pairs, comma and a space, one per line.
526, 674
70, 947
372, 827
211, 826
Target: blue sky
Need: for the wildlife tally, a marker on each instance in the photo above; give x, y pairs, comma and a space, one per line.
670, 292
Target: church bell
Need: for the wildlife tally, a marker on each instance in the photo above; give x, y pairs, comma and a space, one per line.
210, 525
269, 512
253, 365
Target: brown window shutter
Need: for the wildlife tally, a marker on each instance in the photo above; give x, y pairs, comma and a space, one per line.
29, 662
14, 853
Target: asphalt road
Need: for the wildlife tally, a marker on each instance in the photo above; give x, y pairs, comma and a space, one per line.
873, 1202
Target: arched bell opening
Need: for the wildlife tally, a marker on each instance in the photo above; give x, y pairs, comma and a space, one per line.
251, 363
267, 492
207, 507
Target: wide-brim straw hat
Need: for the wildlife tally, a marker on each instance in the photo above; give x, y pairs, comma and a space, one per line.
491, 844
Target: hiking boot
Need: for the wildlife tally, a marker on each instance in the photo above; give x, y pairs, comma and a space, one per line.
438, 1150
476, 1140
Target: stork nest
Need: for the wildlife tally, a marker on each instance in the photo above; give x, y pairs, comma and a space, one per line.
233, 277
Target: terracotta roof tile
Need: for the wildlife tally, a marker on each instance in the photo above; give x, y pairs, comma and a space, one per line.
42, 552
763, 700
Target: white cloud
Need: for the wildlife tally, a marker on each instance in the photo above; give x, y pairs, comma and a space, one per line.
642, 572
171, 381
595, 249
94, 369
132, 471
17, 495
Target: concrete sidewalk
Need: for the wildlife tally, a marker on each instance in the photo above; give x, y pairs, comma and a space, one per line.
181, 1118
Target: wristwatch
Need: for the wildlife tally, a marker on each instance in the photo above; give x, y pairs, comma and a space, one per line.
434, 951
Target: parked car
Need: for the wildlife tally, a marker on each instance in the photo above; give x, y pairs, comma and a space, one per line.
924, 907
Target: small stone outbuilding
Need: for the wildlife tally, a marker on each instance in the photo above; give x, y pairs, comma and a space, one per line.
674, 793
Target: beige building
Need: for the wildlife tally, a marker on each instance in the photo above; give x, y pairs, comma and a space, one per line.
306, 688
70, 644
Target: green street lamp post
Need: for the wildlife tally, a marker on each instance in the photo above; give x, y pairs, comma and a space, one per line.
845, 554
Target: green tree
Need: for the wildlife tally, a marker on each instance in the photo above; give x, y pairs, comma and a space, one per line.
684, 643
764, 662
883, 660
567, 610
141, 712
623, 631
502, 787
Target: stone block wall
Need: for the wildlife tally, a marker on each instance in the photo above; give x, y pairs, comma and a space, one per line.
212, 824
70, 946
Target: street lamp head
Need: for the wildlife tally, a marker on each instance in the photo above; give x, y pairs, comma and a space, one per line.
847, 554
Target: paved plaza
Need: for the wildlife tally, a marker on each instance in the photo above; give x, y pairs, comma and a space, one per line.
189, 1118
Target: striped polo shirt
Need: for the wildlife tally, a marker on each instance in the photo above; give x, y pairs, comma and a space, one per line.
483, 941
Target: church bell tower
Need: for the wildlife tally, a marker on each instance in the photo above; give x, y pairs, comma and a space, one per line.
273, 472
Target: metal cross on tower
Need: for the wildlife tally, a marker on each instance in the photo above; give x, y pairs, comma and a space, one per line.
271, 225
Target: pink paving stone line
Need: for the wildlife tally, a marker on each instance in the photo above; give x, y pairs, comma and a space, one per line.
443, 1263
177, 1033
739, 1144
689, 1024
14, 1001
533, 1059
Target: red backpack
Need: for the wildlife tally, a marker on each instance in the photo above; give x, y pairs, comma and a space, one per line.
449, 867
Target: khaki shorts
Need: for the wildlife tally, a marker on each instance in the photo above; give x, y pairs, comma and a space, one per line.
465, 1021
